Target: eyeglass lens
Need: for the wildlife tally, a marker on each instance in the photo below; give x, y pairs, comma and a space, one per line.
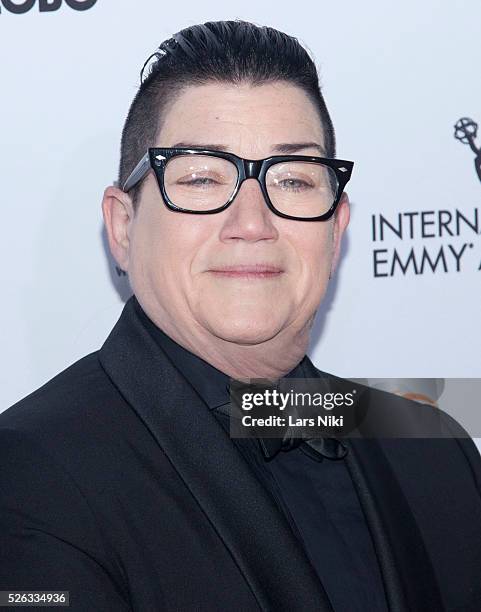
199, 182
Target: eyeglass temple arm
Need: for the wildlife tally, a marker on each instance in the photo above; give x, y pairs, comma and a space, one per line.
137, 173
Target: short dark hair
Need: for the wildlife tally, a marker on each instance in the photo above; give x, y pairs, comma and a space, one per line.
216, 51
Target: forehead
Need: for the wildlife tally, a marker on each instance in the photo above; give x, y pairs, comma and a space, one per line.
246, 117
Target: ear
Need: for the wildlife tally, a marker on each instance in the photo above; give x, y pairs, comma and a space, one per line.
341, 220
118, 212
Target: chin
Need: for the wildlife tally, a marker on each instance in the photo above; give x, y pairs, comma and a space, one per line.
243, 331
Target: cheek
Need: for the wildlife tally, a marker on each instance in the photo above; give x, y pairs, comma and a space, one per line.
315, 251
150, 243
152, 248
175, 245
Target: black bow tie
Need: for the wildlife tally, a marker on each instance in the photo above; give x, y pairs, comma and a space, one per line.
316, 448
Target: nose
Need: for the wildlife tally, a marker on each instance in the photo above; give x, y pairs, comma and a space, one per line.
248, 217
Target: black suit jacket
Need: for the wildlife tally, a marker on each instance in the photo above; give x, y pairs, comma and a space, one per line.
118, 485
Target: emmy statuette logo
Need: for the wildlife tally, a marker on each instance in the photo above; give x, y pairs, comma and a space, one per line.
465, 130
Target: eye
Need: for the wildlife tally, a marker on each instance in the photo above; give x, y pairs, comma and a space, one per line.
201, 180
292, 184
197, 181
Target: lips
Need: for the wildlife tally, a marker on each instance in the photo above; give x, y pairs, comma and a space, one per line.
259, 270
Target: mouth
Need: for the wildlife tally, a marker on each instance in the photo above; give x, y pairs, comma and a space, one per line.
248, 271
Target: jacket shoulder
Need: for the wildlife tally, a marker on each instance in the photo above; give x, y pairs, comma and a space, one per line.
80, 419
73, 396
49, 475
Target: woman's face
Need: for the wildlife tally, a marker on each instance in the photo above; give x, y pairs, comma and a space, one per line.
174, 258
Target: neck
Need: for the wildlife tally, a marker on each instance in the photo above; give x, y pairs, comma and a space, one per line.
271, 359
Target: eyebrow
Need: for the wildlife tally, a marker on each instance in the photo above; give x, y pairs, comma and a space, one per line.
284, 147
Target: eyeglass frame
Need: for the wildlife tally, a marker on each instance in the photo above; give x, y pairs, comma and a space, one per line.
156, 158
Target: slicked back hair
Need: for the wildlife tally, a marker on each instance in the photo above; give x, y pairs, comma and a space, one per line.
231, 52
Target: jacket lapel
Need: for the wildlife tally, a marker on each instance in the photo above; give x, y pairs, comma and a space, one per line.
252, 528
407, 572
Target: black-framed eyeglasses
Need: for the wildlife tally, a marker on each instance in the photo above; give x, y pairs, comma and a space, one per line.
203, 181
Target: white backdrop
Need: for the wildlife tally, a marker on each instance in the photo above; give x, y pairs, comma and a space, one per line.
396, 77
